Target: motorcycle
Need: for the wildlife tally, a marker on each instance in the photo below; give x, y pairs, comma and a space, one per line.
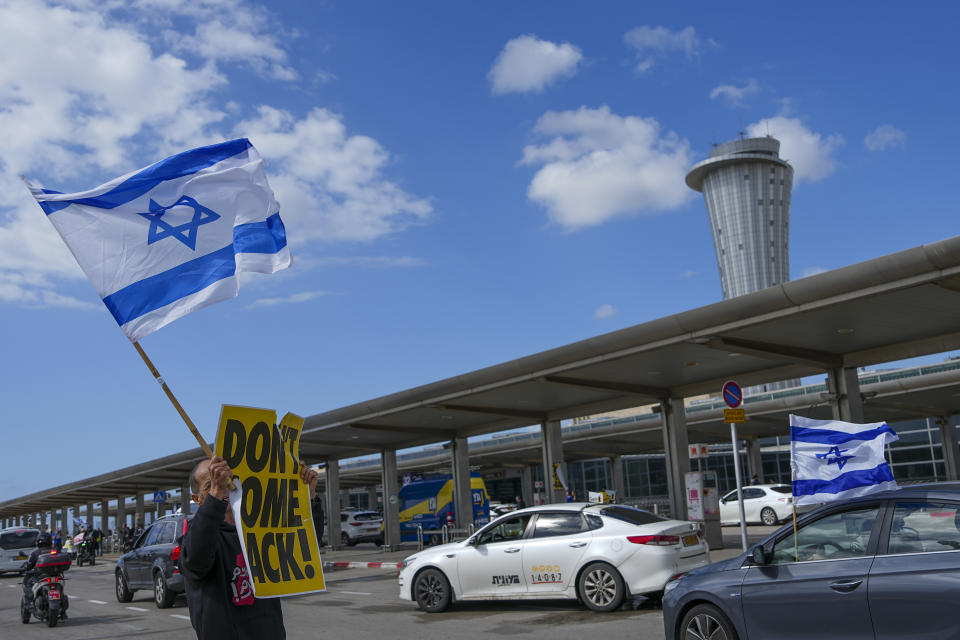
45, 598
87, 552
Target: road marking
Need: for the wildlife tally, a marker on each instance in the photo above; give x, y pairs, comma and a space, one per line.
356, 593
97, 601
177, 615
137, 609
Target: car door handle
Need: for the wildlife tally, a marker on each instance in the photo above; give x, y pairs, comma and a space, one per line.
511, 550
577, 545
845, 586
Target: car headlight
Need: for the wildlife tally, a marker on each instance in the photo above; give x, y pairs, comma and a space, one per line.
673, 584
406, 562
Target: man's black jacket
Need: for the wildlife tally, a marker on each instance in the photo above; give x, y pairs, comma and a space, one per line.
215, 579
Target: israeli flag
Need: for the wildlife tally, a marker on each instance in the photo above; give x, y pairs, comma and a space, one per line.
169, 239
833, 460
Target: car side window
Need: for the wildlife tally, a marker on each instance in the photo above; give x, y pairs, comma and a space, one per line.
844, 534
750, 494
730, 496
924, 527
509, 529
166, 534
557, 524
151, 534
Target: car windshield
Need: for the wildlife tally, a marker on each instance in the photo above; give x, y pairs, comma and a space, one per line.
366, 516
631, 515
782, 488
19, 539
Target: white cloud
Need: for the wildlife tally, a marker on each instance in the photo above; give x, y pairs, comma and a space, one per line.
812, 271
529, 64
329, 183
296, 298
652, 42
604, 311
811, 154
368, 261
885, 136
734, 96
598, 165
689, 273
91, 90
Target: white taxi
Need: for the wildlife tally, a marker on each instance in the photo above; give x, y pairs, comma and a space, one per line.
597, 553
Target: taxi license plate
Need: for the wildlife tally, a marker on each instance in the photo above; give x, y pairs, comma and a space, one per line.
691, 540
20, 557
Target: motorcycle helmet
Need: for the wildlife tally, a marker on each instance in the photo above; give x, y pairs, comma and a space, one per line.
44, 539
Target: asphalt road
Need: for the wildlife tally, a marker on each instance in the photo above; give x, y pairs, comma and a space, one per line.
359, 604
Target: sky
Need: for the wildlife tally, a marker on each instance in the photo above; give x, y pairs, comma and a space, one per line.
462, 184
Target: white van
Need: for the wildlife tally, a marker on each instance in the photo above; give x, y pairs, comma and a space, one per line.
16, 544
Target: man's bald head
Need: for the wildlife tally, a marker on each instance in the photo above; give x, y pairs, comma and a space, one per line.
199, 477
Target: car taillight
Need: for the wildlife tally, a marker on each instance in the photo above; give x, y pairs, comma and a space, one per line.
356, 524
184, 532
786, 500
175, 554
661, 541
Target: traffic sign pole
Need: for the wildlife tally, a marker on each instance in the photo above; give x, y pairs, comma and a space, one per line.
733, 396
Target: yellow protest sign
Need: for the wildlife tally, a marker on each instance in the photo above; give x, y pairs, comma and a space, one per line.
270, 504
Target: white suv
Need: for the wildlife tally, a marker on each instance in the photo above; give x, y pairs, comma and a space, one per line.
361, 526
767, 504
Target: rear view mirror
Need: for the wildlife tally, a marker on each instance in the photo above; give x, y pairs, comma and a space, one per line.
759, 555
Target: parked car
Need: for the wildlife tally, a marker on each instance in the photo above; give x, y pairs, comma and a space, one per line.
881, 566
599, 554
154, 562
767, 504
498, 509
16, 544
360, 526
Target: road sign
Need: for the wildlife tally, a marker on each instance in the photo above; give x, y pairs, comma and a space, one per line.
732, 394
159, 497
732, 416
538, 484
394, 500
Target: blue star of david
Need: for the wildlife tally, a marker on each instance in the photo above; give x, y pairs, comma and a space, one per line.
186, 232
838, 457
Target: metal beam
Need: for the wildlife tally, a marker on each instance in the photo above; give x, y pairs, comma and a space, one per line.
441, 434
609, 385
779, 352
497, 411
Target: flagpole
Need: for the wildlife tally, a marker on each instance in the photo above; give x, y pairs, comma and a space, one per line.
796, 548
183, 414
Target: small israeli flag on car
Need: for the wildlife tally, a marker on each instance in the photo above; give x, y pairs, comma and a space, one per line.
169, 239
834, 460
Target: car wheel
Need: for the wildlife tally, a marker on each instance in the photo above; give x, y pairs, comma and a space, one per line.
124, 594
162, 596
601, 587
345, 539
378, 542
431, 590
435, 539
768, 516
706, 622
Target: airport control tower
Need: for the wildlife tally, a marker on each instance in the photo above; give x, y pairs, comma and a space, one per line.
747, 190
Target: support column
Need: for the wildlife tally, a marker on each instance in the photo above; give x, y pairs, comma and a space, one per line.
948, 440
332, 490
140, 512
42, 521
462, 493
121, 513
616, 464
754, 461
846, 404
64, 523
391, 500
526, 485
104, 515
552, 443
186, 504
676, 453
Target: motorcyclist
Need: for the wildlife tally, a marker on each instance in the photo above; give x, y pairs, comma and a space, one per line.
44, 545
